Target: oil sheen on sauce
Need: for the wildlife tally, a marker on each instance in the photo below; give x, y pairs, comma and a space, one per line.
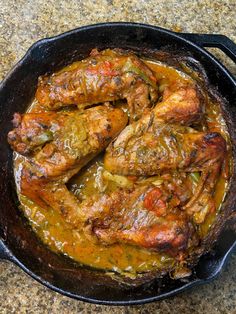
129, 260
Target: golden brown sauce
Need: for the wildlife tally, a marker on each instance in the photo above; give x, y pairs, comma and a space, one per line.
58, 235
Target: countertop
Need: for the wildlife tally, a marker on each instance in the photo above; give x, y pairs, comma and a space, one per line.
24, 22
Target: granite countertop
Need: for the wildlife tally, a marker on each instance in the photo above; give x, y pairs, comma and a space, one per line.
22, 22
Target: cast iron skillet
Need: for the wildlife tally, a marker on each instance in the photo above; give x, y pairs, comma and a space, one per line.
18, 243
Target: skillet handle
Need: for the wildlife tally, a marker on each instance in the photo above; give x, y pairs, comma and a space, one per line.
4, 252
213, 40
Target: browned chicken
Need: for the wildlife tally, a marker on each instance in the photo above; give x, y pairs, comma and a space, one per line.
151, 146
184, 106
142, 217
59, 145
153, 134
104, 76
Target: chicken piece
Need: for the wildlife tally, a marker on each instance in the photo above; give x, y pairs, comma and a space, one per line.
104, 76
181, 107
184, 106
32, 131
129, 216
60, 141
157, 142
142, 217
149, 147
59, 145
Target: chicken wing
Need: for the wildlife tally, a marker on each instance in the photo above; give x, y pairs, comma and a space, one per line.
104, 76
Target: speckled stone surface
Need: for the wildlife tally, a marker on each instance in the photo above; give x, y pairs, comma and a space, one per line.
22, 22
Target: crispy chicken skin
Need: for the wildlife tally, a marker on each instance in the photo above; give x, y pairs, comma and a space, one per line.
104, 76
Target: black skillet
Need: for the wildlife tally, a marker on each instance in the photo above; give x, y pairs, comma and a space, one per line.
18, 243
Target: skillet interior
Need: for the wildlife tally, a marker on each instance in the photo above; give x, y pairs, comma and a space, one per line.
17, 91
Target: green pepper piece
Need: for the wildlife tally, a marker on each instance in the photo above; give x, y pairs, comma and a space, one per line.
195, 176
130, 67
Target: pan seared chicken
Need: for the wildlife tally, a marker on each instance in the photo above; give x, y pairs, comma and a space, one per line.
181, 107
163, 143
145, 217
59, 145
151, 146
104, 76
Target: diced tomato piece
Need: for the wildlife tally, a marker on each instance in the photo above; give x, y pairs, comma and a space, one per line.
132, 178
153, 202
104, 69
